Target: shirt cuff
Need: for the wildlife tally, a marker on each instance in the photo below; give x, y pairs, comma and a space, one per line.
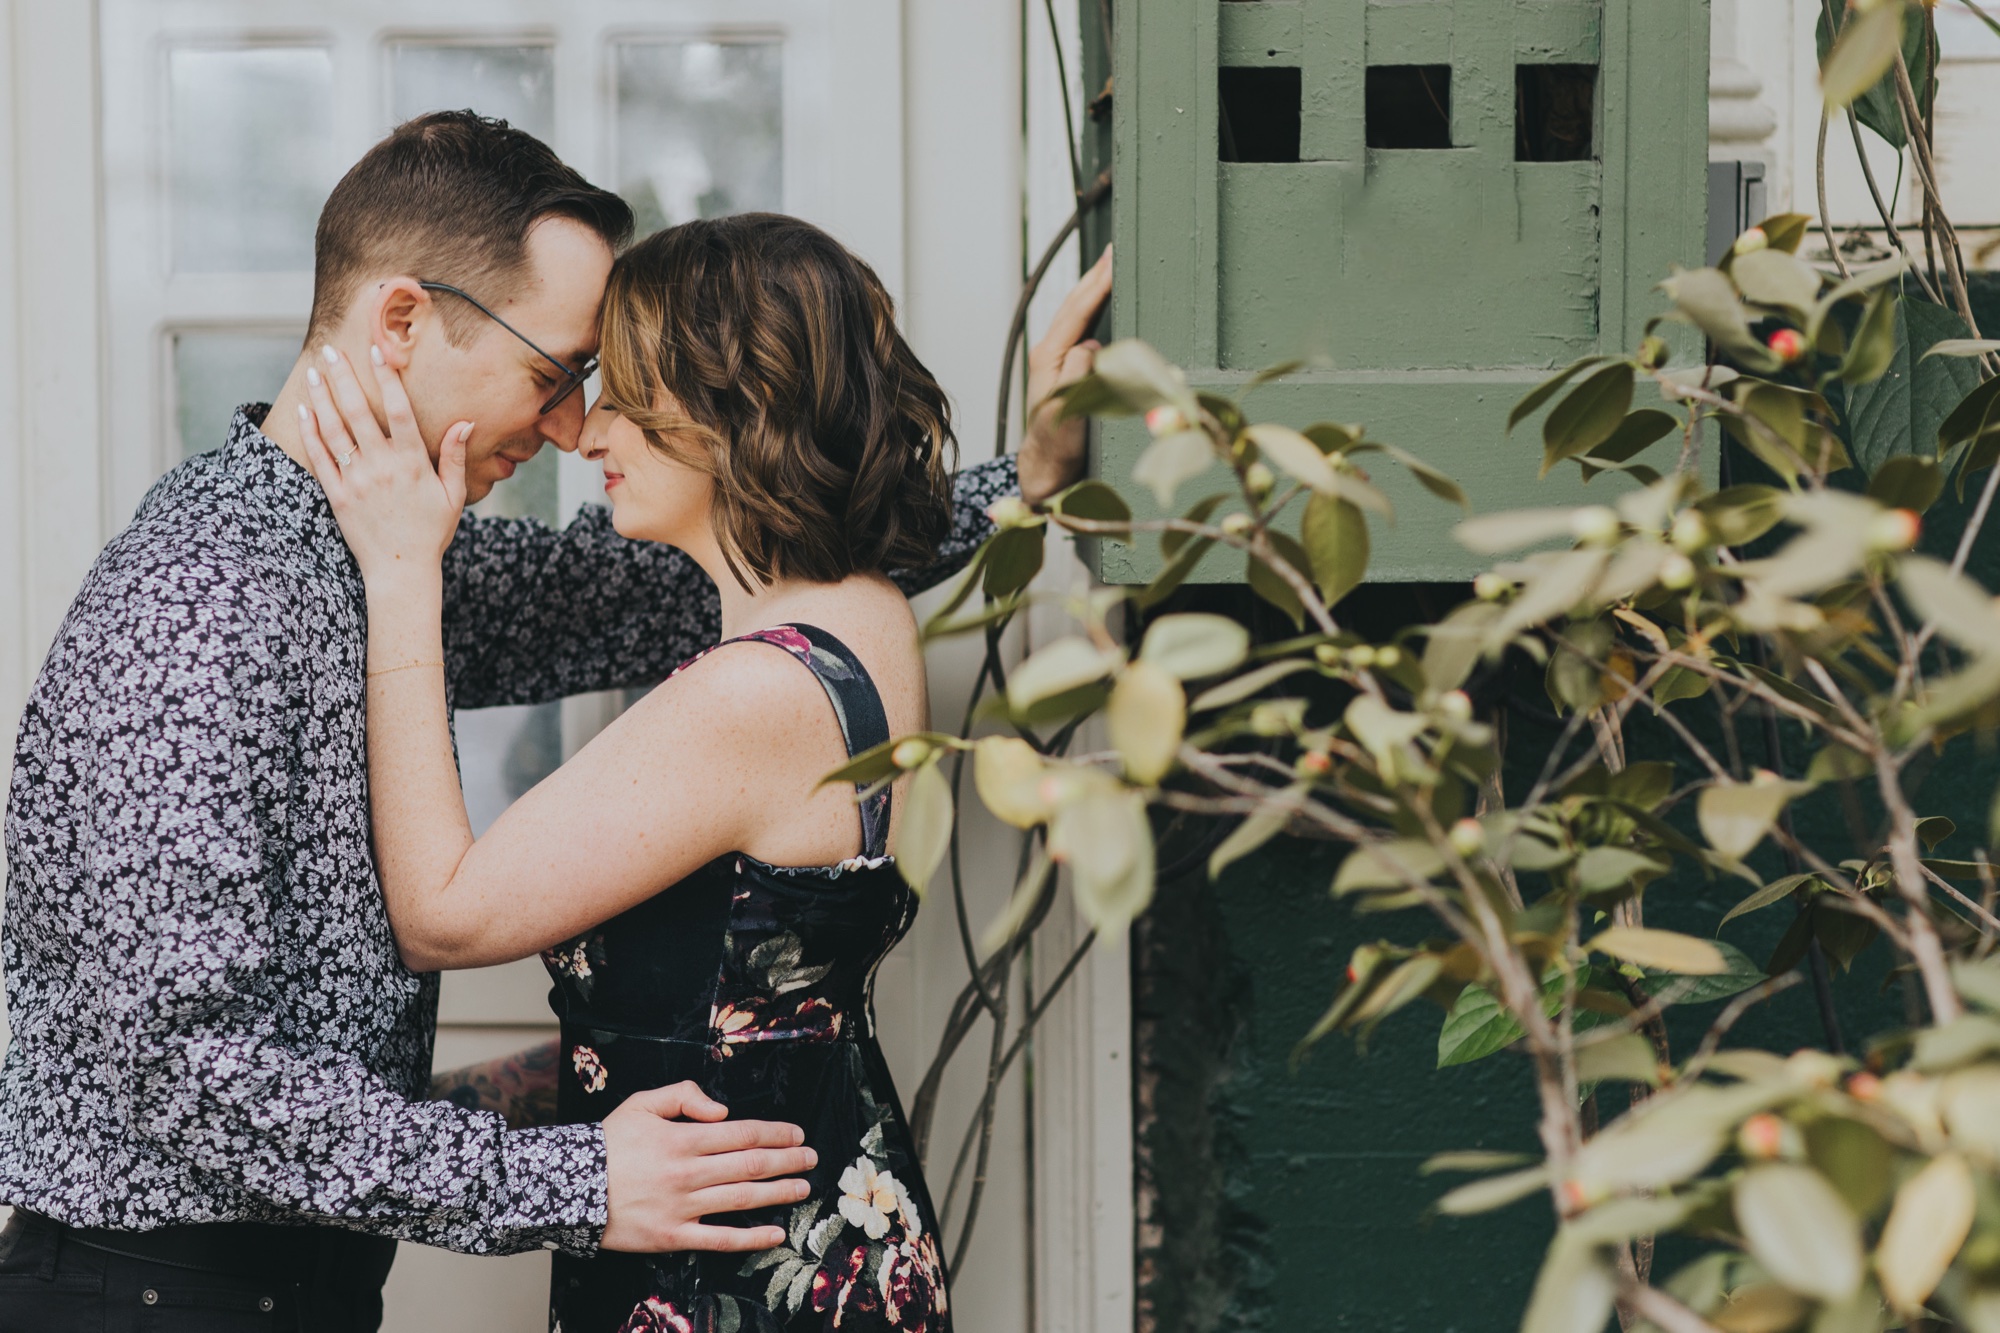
557, 1187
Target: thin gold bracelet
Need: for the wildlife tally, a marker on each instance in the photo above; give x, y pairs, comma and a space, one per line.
407, 666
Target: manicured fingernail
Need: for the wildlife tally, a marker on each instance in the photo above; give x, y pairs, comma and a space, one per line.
465, 432
305, 417
332, 357
312, 378
375, 355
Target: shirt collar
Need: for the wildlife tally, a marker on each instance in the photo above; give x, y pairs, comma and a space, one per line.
279, 485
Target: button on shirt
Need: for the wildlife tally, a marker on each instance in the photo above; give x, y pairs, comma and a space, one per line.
210, 1018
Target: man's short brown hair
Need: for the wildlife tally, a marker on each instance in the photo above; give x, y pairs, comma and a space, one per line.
449, 197
759, 350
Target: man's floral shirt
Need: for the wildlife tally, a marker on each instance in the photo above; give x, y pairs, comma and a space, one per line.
210, 1019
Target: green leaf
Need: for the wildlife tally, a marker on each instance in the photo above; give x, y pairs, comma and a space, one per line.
1963, 611
1800, 1229
1295, 454
1862, 55
1873, 350
1548, 389
1901, 412
1909, 482
1574, 1292
1195, 644
1106, 841
1066, 664
1927, 1225
1483, 1196
1013, 560
1142, 378
1604, 868
1336, 545
1092, 500
1740, 515
1707, 299
1774, 277
1627, 1058
876, 763
1491, 534
1853, 1158
1173, 540
1144, 719
1667, 950
1267, 583
1678, 683
1021, 906
1965, 347
1876, 106
1256, 829
1245, 685
1974, 416
1786, 231
1172, 460
1735, 816
1776, 891
1386, 865
1178, 567
1739, 974
925, 831
1636, 434
1589, 415
1475, 1160
1432, 480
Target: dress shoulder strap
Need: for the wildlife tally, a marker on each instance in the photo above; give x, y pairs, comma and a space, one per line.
857, 705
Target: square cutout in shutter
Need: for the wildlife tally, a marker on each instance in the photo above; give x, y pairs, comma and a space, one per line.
1259, 114
1555, 113
1409, 106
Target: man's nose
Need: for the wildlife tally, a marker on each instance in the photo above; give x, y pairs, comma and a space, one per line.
564, 426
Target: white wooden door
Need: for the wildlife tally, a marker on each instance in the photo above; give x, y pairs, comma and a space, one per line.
226, 123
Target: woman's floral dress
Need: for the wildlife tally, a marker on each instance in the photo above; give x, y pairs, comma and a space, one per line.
755, 981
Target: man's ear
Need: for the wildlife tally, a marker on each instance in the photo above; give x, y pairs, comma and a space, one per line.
399, 310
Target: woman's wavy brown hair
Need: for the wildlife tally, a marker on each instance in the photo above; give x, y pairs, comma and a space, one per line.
757, 349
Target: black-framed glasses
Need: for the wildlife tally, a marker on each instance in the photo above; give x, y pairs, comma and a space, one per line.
572, 380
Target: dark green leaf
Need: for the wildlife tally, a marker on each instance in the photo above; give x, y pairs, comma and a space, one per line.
1268, 584
1910, 481
1589, 415
1776, 891
1336, 545
1546, 390
1637, 433
1861, 61
1977, 414
1873, 350
1092, 500
1013, 560
1171, 541
1873, 96
1740, 974
1900, 413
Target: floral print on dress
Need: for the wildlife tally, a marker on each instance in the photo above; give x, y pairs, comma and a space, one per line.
656, 1315
869, 1262
589, 1069
754, 981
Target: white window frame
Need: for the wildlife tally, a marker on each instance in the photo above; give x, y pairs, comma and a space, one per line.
856, 194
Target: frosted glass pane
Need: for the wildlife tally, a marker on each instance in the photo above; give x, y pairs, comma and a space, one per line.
251, 156
700, 129
216, 373
502, 752
529, 493
515, 83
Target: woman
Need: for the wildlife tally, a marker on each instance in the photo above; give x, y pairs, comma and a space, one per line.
707, 908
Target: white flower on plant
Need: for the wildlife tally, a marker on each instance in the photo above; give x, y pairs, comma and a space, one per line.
872, 1199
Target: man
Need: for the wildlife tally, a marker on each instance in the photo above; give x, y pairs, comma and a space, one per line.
211, 1102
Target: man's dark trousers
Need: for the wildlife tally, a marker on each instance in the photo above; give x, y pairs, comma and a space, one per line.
223, 1277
